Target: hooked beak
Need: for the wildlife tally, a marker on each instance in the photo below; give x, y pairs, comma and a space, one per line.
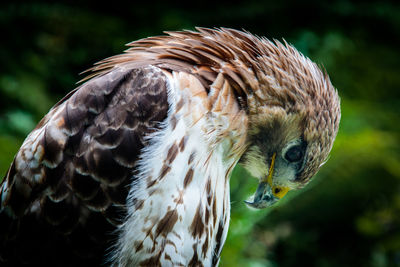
266, 193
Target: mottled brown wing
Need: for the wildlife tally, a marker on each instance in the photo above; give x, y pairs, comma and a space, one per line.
67, 186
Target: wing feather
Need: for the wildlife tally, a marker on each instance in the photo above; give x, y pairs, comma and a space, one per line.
77, 164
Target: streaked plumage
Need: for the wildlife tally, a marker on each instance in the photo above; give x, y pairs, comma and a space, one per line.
146, 147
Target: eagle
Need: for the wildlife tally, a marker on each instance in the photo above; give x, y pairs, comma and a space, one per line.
132, 168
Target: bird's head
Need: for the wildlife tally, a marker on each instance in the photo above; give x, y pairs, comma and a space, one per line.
294, 114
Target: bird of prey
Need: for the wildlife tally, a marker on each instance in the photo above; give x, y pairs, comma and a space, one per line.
132, 168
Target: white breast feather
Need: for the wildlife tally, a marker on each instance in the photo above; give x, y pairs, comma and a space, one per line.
177, 247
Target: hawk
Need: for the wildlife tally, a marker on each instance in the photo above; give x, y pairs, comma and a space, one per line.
132, 168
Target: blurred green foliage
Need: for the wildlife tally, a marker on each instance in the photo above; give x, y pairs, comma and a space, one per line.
349, 215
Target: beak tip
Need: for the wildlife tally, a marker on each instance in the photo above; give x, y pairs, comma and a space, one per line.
262, 204
251, 204
262, 198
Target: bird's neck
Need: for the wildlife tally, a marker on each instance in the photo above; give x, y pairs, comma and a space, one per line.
179, 203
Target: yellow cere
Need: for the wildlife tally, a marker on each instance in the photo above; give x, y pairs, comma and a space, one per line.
280, 191
277, 191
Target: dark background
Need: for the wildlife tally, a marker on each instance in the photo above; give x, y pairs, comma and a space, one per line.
349, 215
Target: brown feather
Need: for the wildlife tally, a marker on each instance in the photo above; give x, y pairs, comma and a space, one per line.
91, 141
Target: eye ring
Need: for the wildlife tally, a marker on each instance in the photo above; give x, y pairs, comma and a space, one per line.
294, 154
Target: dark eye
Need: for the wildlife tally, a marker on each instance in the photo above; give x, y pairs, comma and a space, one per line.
294, 154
